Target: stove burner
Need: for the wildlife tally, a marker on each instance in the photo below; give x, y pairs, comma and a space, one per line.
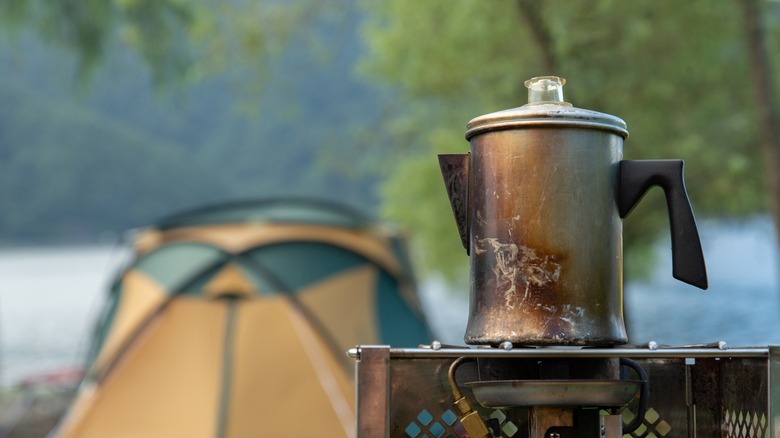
564, 395
561, 393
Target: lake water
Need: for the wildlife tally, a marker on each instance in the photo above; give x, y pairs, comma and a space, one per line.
49, 299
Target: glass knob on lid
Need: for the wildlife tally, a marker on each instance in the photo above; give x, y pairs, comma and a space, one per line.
546, 90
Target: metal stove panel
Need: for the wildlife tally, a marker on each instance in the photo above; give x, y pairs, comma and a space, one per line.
667, 414
713, 393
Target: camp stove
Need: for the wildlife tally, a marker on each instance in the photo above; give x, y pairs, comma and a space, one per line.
690, 391
539, 201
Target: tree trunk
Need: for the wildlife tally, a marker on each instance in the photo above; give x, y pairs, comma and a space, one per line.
766, 102
529, 10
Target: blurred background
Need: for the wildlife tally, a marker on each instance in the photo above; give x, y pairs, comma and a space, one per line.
116, 113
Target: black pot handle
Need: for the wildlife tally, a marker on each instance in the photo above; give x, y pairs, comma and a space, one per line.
636, 177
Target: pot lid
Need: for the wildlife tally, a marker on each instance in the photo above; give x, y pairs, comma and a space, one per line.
547, 108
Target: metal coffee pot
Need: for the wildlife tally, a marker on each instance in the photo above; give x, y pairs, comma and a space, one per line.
539, 202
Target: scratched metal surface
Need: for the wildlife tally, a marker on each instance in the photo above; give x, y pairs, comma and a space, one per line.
537, 277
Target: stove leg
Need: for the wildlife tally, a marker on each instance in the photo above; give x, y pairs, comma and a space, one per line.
545, 418
586, 423
613, 426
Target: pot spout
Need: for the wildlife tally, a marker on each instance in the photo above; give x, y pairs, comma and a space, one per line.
455, 170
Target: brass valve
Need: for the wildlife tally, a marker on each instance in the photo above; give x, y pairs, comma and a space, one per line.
468, 417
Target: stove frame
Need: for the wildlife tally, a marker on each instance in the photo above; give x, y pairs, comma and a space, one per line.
694, 391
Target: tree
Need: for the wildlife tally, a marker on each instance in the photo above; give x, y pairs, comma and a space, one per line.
156, 29
673, 71
768, 113
180, 41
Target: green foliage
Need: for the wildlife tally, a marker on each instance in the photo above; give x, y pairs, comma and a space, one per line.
156, 29
675, 71
180, 41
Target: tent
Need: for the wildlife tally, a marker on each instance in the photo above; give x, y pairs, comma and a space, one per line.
234, 320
